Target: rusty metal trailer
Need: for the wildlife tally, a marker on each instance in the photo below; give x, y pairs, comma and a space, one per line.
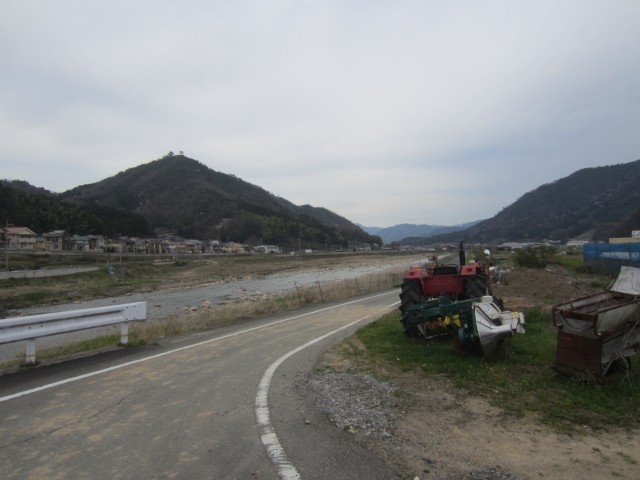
600, 330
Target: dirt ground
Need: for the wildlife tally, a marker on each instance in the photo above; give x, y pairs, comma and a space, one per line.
444, 433
521, 289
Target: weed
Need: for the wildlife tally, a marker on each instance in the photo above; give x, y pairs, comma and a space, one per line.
518, 377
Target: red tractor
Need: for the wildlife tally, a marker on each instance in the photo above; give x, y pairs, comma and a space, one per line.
453, 282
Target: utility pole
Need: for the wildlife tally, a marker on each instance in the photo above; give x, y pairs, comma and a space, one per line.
6, 247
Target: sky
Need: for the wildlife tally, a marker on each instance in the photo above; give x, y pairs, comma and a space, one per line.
384, 112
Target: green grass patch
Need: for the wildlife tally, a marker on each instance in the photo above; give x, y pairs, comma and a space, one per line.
518, 378
46, 355
81, 346
571, 262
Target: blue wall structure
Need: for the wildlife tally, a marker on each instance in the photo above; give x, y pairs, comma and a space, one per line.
611, 256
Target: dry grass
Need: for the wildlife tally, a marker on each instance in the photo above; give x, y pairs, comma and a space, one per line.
145, 274
209, 318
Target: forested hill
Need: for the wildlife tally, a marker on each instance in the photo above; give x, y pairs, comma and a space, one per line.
181, 195
42, 211
176, 194
598, 202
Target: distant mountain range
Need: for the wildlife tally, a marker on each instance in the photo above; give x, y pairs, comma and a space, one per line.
407, 230
179, 195
593, 204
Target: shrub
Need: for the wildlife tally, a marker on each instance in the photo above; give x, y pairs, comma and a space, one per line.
535, 257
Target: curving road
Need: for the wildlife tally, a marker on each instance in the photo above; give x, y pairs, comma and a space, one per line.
216, 405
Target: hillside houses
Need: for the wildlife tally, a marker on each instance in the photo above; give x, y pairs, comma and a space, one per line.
24, 239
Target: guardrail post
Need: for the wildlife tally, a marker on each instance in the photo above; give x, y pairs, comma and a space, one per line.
30, 355
124, 333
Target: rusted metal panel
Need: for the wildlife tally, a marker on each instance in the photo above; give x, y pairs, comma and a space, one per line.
579, 353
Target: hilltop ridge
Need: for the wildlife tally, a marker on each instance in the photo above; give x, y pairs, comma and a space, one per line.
179, 195
182, 195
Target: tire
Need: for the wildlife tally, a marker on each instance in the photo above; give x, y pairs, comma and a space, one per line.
476, 286
410, 294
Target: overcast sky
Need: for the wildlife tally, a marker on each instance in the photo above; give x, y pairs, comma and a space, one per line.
385, 112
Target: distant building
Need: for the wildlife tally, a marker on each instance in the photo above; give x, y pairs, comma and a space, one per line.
577, 243
268, 249
56, 241
233, 247
193, 246
20, 238
634, 238
87, 243
624, 240
516, 245
112, 245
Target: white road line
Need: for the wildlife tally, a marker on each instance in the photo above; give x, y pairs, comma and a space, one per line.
169, 352
286, 470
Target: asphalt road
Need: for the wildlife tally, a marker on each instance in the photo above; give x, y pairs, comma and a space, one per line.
216, 405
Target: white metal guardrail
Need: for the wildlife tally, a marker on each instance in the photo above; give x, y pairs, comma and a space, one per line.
30, 328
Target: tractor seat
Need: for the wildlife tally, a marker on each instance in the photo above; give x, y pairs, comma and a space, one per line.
449, 270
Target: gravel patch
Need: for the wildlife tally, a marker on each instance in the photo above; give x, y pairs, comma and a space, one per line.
372, 410
356, 402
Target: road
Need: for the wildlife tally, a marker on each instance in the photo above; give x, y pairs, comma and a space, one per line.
215, 405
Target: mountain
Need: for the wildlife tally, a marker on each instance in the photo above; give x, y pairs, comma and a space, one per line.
405, 230
371, 230
183, 196
42, 212
176, 194
604, 200
25, 187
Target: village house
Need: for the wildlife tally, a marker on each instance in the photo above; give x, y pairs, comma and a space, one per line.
40, 245
113, 246
213, 246
20, 238
151, 245
233, 247
87, 243
55, 241
60, 240
193, 246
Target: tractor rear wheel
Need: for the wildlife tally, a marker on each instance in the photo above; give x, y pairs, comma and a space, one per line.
410, 294
475, 286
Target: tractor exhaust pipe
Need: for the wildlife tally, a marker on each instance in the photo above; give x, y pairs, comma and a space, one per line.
463, 260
